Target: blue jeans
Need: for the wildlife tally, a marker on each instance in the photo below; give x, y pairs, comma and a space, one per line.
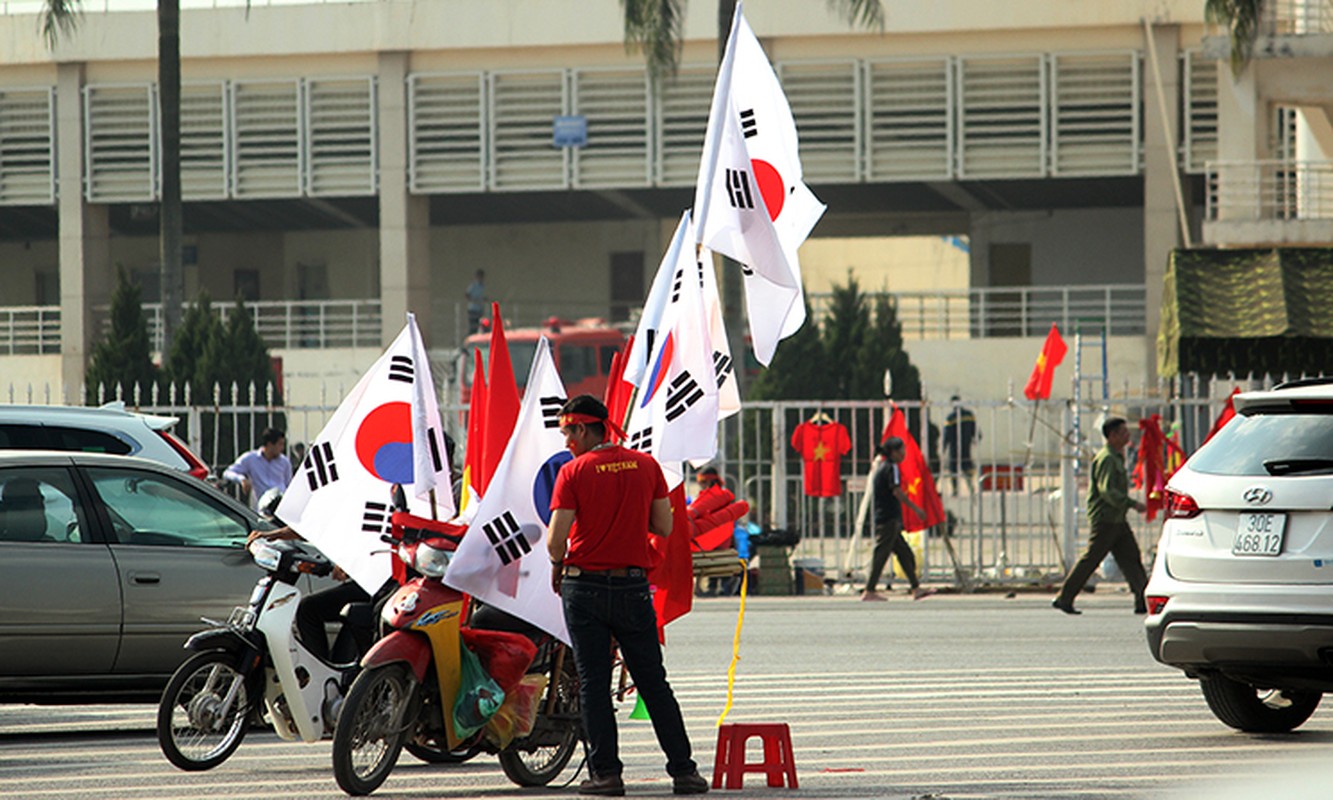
597, 608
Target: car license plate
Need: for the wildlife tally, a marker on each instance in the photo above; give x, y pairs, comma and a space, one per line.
1259, 534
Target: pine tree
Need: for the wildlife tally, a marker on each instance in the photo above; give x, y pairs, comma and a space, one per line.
186, 364
880, 350
846, 326
122, 362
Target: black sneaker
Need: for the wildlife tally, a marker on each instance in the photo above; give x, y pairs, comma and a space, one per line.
693, 783
604, 786
1068, 608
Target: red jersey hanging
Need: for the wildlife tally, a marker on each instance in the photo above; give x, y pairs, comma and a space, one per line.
822, 443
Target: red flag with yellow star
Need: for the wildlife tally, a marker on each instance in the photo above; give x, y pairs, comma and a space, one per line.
1052, 353
915, 477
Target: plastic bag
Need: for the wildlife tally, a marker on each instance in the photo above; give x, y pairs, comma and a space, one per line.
518, 714
504, 655
479, 696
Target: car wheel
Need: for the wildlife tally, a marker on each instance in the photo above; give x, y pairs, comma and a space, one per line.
1252, 710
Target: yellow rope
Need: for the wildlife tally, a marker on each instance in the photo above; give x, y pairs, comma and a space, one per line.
735, 644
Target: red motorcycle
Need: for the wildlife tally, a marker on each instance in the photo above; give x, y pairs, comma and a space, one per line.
407, 694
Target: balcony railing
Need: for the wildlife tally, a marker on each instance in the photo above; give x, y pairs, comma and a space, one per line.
105, 6
291, 324
1015, 311
1269, 190
29, 330
1287, 17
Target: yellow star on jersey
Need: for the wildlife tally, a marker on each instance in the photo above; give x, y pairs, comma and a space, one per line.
821, 452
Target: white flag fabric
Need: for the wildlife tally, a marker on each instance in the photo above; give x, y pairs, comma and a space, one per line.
650, 321
502, 560
675, 413
751, 202
339, 498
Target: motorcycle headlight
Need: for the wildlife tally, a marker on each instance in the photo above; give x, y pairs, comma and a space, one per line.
432, 561
265, 554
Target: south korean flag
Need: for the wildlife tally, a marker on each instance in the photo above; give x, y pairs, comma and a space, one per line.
674, 416
502, 560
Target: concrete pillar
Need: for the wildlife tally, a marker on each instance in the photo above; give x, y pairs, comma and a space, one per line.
1242, 140
404, 218
85, 239
1161, 220
978, 263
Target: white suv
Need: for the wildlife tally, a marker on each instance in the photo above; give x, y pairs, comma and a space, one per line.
1241, 595
109, 429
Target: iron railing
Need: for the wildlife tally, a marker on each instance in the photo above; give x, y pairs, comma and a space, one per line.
1269, 190
291, 324
29, 330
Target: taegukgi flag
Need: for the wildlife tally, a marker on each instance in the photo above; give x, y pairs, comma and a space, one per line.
750, 201
386, 431
650, 329
502, 560
675, 413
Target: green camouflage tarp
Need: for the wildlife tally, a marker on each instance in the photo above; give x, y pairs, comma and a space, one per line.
1247, 312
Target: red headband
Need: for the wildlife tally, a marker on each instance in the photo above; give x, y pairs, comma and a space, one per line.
589, 419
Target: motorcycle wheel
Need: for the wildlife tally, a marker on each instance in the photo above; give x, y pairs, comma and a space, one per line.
194, 730
434, 755
526, 765
369, 735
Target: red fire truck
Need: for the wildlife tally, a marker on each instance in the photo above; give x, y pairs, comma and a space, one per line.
582, 349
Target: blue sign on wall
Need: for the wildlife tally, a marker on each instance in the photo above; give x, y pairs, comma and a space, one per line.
569, 131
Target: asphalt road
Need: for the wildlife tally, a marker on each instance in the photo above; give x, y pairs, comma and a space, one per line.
951, 697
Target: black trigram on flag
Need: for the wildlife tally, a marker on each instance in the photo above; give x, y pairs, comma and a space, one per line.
509, 542
320, 470
748, 126
400, 369
738, 188
435, 449
676, 281
641, 440
551, 411
375, 519
721, 367
683, 393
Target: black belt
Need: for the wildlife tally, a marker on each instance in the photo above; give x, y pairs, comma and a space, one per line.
618, 572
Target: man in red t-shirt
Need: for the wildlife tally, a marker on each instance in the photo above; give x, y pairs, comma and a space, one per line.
603, 506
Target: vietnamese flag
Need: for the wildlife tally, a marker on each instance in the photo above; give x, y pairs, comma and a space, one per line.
476, 422
916, 478
502, 403
672, 576
1052, 353
1228, 411
618, 390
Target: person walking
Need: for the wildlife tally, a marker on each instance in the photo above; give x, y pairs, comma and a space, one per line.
264, 468
1108, 504
960, 433
476, 301
889, 498
604, 504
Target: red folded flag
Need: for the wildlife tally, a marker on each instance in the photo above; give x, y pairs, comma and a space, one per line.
502, 403
1228, 411
1052, 353
618, 392
673, 575
915, 476
476, 424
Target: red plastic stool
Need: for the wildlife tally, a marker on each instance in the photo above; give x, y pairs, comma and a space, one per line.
730, 761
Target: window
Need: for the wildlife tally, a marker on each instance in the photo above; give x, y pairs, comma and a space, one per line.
1246, 445
578, 362
151, 509
39, 505
23, 437
86, 441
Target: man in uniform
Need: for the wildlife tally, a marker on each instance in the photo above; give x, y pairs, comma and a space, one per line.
604, 504
1108, 503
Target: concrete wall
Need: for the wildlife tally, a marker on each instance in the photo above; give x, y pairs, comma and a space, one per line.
1078, 246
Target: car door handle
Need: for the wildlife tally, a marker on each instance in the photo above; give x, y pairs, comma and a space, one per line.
145, 578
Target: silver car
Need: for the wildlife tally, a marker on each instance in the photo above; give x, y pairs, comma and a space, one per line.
1241, 595
107, 564
109, 429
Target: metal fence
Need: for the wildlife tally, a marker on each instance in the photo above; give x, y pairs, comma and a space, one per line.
1017, 519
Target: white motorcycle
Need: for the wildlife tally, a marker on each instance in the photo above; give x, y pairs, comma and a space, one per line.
214, 696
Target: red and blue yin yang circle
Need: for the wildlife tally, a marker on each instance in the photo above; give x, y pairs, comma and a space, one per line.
384, 443
660, 367
543, 485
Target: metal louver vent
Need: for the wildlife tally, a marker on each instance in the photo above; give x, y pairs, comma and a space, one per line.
203, 141
681, 120
825, 101
615, 103
523, 106
1199, 133
27, 146
446, 133
340, 137
266, 139
909, 120
1095, 114
119, 142
1001, 117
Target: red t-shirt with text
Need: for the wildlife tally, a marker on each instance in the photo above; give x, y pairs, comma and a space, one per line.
610, 491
